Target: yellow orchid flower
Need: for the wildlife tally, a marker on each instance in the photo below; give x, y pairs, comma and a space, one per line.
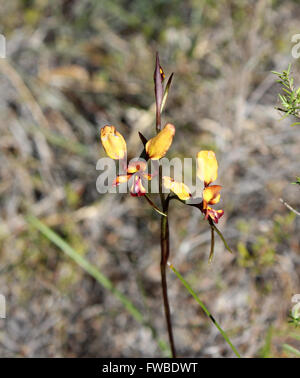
158, 146
207, 167
113, 142
179, 188
208, 172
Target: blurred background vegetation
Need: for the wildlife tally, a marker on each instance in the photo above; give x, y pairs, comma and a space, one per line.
73, 66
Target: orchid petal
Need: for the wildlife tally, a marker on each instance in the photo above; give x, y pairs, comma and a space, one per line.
207, 166
158, 146
113, 142
179, 188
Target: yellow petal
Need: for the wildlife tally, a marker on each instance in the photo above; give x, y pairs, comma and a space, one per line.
211, 194
207, 166
158, 146
113, 142
179, 188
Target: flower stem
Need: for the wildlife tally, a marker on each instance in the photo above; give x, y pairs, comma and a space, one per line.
165, 251
164, 235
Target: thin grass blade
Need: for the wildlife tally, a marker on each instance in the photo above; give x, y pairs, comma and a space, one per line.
204, 308
99, 277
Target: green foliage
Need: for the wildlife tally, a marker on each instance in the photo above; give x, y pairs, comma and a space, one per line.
290, 100
297, 181
262, 254
72, 196
282, 226
288, 348
265, 351
295, 316
280, 335
294, 319
150, 17
262, 251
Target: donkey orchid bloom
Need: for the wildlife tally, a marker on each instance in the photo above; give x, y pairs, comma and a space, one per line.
211, 196
208, 172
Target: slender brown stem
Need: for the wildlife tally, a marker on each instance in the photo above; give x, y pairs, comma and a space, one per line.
165, 251
158, 120
164, 237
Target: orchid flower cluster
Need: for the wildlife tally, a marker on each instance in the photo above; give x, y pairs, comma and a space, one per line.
136, 175
115, 146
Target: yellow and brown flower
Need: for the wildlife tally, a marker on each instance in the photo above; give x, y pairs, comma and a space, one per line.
115, 146
207, 172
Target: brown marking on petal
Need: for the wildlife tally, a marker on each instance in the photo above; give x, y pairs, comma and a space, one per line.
137, 166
